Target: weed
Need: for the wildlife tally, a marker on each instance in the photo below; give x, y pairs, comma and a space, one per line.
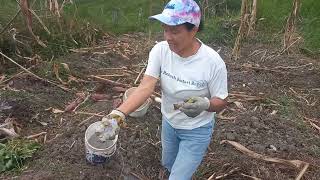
287, 108
219, 30
315, 150
204, 170
14, 153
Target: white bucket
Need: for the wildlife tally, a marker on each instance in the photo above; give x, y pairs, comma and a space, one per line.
95, 155
142, 110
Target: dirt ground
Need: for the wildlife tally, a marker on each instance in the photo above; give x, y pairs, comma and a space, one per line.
274, 99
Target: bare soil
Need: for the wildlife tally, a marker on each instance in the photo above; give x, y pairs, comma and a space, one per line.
276, 122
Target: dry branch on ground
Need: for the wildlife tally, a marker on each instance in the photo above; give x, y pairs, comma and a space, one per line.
293, 163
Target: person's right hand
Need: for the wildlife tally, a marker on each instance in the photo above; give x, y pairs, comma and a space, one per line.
117, 115
110, 125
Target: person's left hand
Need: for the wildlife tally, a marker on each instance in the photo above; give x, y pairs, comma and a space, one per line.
195, 105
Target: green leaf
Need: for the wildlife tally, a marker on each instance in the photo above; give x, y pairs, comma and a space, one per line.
14, 153
2, 167
9, 164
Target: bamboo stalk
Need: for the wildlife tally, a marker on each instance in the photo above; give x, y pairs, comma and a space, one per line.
113, 75
290, 26
110, 82
40, 21
253, 18
87, 113
14, 17
138, 77
241, 31
243, 149
36, 135
24, 6
301, 173
85, 100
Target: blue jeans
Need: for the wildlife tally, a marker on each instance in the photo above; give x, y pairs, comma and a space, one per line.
183, 150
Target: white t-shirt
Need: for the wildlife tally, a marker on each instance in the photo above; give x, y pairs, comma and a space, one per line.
203, 74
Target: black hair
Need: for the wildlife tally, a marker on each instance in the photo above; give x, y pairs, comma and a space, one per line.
190, 26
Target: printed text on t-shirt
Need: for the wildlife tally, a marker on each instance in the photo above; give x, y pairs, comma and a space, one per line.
197, 83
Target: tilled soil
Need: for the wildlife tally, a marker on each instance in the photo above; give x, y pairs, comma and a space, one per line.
276, 122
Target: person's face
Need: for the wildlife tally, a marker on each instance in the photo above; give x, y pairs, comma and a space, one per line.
178, 37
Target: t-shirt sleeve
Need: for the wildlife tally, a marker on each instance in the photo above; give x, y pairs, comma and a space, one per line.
218, 84
154, 62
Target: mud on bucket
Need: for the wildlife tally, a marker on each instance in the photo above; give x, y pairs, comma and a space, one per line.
97, 152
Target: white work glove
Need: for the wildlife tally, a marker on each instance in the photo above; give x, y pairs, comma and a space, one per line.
194, 106
110, 125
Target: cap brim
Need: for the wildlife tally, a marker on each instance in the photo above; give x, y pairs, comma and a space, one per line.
164, 19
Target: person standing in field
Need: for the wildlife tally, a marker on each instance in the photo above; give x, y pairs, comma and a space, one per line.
192, 75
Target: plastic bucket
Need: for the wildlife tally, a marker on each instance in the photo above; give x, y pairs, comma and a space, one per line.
142, 110
96, 155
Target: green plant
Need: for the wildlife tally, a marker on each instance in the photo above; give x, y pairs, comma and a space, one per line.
287, 108
116, 16
14, 153
83, 22
315, 150
275, 13
219, 30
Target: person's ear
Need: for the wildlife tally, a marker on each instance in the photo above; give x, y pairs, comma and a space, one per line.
194, 31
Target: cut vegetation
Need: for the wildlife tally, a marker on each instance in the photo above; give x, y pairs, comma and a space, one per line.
95, 50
